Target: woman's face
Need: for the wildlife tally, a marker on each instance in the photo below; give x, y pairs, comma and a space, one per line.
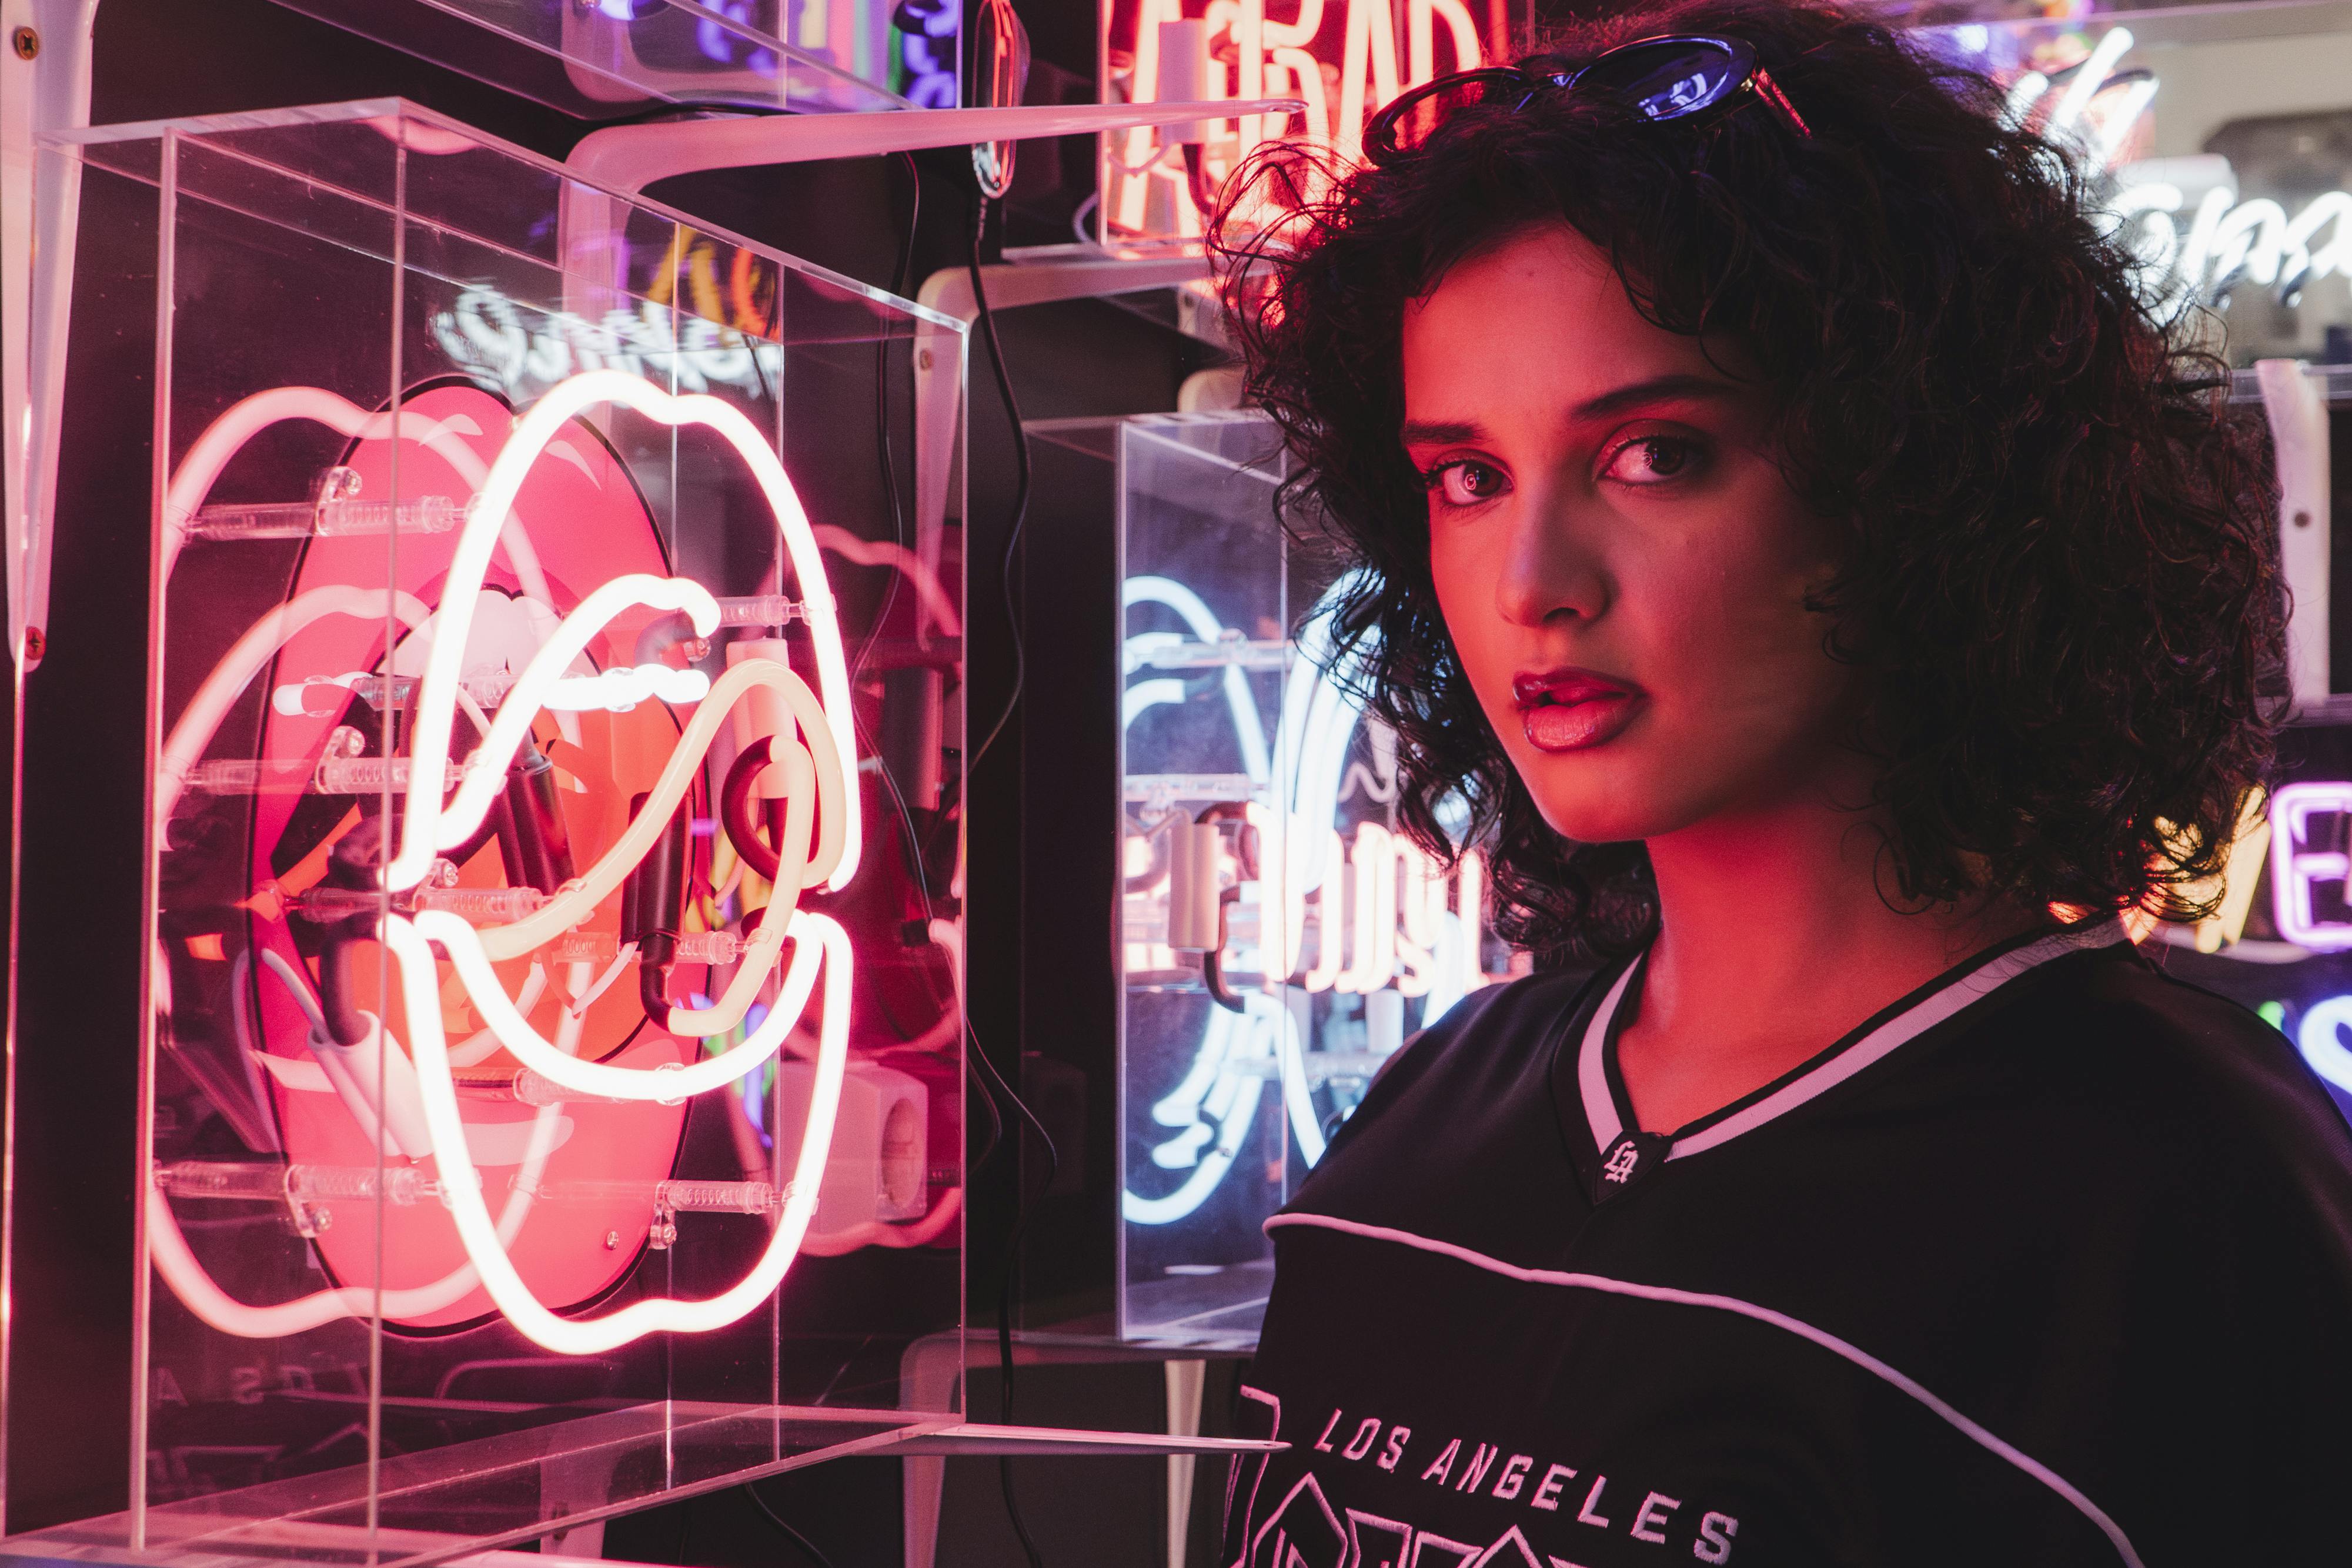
1620, 563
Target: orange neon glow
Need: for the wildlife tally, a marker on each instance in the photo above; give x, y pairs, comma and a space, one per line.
1342, 57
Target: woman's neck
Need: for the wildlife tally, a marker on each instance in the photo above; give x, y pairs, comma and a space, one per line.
1776, 938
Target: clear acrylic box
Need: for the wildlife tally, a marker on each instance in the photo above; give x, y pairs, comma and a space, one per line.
1277, 938
499, 1166
602, 59
2220, 140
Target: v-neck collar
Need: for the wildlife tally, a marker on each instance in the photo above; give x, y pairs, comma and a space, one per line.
1608, 1111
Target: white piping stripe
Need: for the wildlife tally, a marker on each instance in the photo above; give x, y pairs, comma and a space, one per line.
1916, 1020
1601, 1106
1591, 1076
1829, 1341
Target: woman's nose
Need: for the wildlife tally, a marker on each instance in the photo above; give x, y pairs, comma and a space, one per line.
1547, 570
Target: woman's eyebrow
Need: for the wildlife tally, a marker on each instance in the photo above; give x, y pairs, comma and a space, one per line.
1436, 433
1657, 389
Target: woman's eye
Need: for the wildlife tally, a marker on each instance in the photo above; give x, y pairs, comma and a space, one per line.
1652, 460
1466, 483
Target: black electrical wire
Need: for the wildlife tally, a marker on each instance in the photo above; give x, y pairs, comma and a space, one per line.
993, 1083
799, 1543
988, 1103
1021, 486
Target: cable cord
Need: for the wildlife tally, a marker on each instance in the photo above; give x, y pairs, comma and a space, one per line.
994, 1084
1021, 486
799, 1543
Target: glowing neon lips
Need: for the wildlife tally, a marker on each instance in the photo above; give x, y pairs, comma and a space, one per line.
431, 825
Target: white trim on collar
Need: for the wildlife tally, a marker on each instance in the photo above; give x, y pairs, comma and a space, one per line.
1961, 992
1592, 1076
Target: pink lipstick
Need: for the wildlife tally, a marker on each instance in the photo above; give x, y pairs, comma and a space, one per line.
1573, 710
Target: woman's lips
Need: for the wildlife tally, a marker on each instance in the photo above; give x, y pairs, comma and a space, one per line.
1573, 710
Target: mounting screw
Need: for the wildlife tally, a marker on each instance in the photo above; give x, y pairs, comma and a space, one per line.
36, 644
26, 42
2303, 520
611, 1242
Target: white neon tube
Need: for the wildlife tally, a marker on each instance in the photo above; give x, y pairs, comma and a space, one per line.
1282, 902
459, 940
1180, 1106
513, 1297
1249, 727
1296, 1098
829, 764
2089, 77
1331, 933
485, 1042
2321, 1042
1229, 1098
532, 433
835, 808
486, 769
1145, 696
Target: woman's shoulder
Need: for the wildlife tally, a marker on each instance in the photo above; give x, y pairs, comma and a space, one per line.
1460, 1104
1499, 1029
2200, 1084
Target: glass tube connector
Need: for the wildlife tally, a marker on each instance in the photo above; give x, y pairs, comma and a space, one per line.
334, 519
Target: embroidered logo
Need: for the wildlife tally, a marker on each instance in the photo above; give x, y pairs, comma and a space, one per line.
1630, 1159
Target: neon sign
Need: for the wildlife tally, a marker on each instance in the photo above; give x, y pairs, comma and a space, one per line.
484, 334
2301, 864
406, 1099
928, 31
1342, 57
2181, 217
1383, 921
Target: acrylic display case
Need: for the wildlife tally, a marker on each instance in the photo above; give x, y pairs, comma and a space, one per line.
2225, 135
601, 58
1277, 939
551, 1094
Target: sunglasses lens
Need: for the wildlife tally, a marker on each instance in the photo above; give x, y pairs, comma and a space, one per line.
1669, 78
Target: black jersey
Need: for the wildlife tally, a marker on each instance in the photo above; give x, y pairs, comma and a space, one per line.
2050, 1262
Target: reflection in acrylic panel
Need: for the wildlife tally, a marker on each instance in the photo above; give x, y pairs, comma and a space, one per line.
1279, 936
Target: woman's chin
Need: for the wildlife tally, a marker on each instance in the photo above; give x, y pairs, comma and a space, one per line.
1596, 822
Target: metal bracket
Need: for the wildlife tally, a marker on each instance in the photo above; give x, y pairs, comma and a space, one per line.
44, 87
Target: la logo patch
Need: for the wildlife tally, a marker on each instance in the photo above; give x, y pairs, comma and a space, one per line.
1629, 1157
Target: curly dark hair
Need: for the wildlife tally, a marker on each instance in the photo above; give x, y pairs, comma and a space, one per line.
2061, 581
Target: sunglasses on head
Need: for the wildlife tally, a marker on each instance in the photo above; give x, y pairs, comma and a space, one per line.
1664, 79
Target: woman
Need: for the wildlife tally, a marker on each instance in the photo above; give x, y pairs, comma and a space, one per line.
1838, 602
